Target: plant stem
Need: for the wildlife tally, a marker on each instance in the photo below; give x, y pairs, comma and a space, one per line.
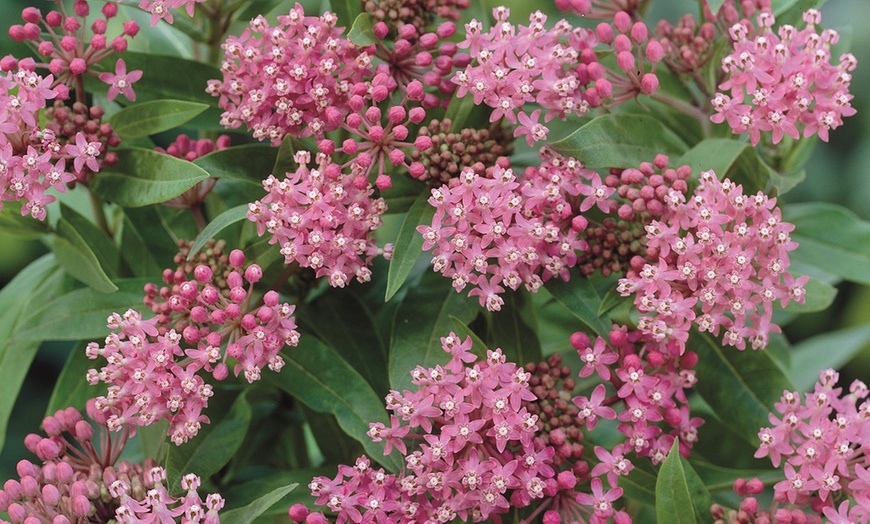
689, 109
99, 212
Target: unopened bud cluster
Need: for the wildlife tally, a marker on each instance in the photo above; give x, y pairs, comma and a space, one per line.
418, 13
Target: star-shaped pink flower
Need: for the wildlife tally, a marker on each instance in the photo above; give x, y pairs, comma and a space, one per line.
121, 82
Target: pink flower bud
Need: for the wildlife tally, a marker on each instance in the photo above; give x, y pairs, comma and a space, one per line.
131, 28
218, 316
655, 358
551, 517
190, 334
380, 93
50, 495
364, 160
755, 486
349, 146
81, 506
625, 212
416, 169
381, 30
16, 33
625, 61
672, 416
429, 41
17, 512
639, 32
64, 470
52, 426
78, 66
400, 132
119, 45
110, 10
566, 480
326, 146
47, 449
31, 14
83, 430
298, 512
265, 314
233, 311
579, 340
98, 42
271, 298
99, 26
237, 260
396, 114
415, 90
360, 182
202, 273
397, 157
423, 59
316, 518
654, 51
376, 134
384, 182
604, 31
407, 31
649, 83
254, 273
237, 295
209, 295
579, 223
622, 21
416, 114
8, 63
81, 8
249, 322
446, 29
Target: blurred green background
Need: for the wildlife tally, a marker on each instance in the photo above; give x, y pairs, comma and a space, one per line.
837, 173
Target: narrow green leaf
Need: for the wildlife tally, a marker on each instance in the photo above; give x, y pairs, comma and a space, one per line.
80, 314
143, 177
581, 299
78, 259
828, 350
249, 513
409, 244
242, 494
783, 183
512, 332
620, 141
461, 329
249, 163
12, 223
673, 499
425, 317
71, 389
322, 380
362, 32
99, 242
149, 223
831, 238
740, 386
220, 222
171, 77
212, 449
402, 194
152, 117
458, 111
136, 252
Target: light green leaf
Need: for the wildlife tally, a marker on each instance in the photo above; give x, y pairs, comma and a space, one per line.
673, 499
715, 5
425, 317
728, 158
78, 259
362, 32
11, 222
212, 449
220, 222
620, 141
249, 513
346, 10
249, 163
152, 117
171, 77
581, 299
409, 244
143, 177
819, 295
828, 350
99, 242
71, 389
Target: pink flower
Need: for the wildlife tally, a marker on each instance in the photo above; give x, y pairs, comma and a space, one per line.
121, 82
530, 128
601, 501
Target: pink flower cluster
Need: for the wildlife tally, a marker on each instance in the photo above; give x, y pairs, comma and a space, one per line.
556, 68
490, 230
781, 82
79, 481
68, 51
651, 383
724, 250
322, 218
162, 9
823, 441
152, 368
32, 158
476, 454
295, 79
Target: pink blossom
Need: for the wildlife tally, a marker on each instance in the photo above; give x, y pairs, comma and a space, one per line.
121, 82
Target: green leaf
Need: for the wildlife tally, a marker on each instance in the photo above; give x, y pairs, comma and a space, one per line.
78, 259
346, 10
673, 499
740, 386
322, 380
152, 117
425, 317
358, 341
162, 242
220, 222
402, 194
99, 242
71, 389
620, 141
171, 77
819, 295
16, 299
249, 163
81, 314
362, 33
729, 158
458, 111
284, 161
242, 494
512, 332
461, 329
828, 350
791, 11
11, 222
831, 238
143, 177
256, 508
213, 447
715, 5
721, 479
581, 299
409, 244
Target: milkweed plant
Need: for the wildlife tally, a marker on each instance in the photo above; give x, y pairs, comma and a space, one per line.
428, 261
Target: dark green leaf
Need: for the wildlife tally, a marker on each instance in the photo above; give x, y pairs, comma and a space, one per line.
81, 314
284, 161
831, 238
740, 386
358, 341
512, 331
71, 389
728, 158
362, 33
620, 141
78, 259
402, 194
143, 177
16, 300
212, 449
13, 223
137, 254
220, 222
791, 11
421, 322
346, 10
100, 243
461, 329
152, 117
581, 299
256, 508
458, 112
721, 479
250, 163
828, 350
321, 379
409, 244
170, 77
673, 499
334, 444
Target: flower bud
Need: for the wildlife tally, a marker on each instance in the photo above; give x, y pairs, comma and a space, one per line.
81, 8
253, 274
649, 83
298, 512
131, 28
415, 90
639, 32
604, 31
381, 30
221, 372
237, 260
622, 21
78, 66
579, 340
110, 10
119, 44
83, 430
81, 506
32, 15
384, 182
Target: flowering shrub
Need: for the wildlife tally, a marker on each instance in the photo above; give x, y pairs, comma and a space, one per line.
412, 261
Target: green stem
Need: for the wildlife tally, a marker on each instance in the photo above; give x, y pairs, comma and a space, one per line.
689, 109
99, 212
